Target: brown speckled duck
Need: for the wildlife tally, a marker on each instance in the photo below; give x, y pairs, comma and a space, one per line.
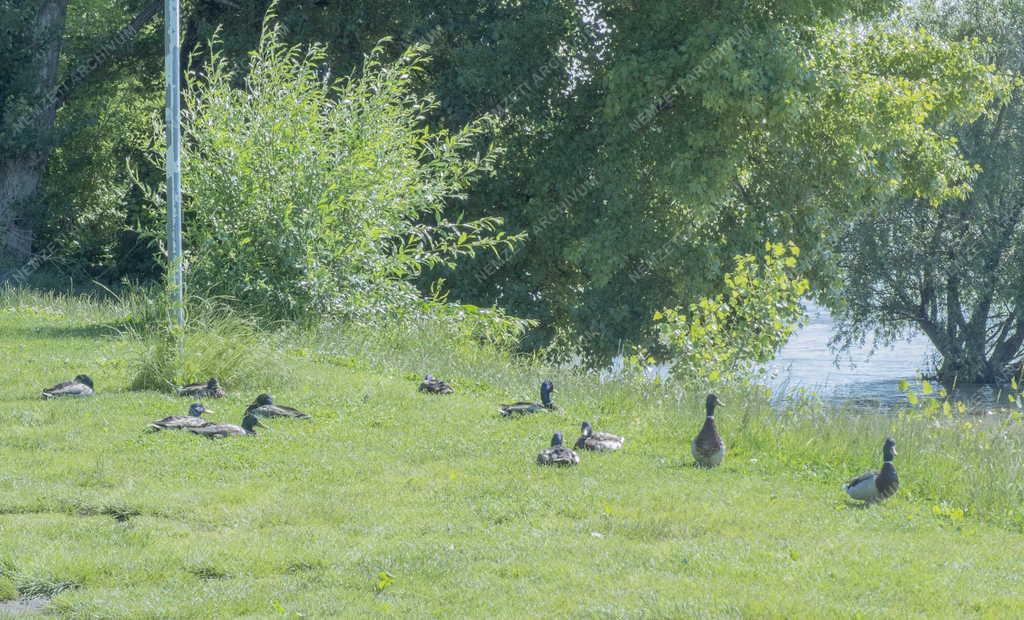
557, 454
602, 442
215, 431
210, 389
431, 385
79, 386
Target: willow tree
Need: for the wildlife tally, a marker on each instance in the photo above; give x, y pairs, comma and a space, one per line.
953, 271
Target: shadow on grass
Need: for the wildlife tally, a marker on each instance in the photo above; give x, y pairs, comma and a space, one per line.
85, 332
855, 505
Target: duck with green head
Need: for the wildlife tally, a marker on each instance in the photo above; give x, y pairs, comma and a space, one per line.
79, 386
194, 419
214, 431
210, 389
707, 448
557, 454
522, 407
264, 407
875, 486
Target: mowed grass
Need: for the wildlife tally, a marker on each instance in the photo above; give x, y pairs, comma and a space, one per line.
394, 503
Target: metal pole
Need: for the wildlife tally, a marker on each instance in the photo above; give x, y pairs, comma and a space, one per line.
172, 71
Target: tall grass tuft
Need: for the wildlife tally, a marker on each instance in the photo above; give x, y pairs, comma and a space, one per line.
215, 342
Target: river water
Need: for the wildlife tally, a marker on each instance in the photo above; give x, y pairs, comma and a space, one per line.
870, 378
865, 376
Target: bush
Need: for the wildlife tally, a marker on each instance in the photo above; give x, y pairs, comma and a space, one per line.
307, 195
7, 589
725, 336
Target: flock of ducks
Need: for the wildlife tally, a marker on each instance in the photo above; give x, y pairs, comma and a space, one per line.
262, 407
707, 447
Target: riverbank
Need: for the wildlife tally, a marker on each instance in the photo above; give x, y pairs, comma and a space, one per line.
391, 502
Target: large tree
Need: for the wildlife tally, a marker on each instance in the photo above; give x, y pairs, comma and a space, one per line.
30, 44
689, 133
954, 271
51, 51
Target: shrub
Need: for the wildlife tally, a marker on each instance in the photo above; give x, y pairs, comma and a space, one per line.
307, 195
725, 336
7, 589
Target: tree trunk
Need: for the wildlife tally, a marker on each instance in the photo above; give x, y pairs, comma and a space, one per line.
21, 170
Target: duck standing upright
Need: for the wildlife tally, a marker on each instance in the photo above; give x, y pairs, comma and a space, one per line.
601, 442
431, 385
875, 486
557, 454
194, 419
210, 389
707, 448
214, 431
264, 407
522, 407
79, 386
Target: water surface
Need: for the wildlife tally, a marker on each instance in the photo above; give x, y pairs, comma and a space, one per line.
867, 375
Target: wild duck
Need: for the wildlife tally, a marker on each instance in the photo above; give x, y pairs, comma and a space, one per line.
210, 389
557, 454
431, 385
194, 419
707, 448
589, 440
874, 486
213, 431
521, 407
264, 407
79, 386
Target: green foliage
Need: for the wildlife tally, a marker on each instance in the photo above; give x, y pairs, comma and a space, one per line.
7, 589
721, 338
640, 140
710, 127
925, 400
490, 325
309, 196
952, 270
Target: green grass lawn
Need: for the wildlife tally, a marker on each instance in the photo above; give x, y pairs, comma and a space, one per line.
393, 503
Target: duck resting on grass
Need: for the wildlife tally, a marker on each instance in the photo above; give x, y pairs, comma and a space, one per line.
707, 448
264, 407
431, 385
874, 486
521, 407
79, 386
557, 454
210, 389
194, 419
213, 431
601, 442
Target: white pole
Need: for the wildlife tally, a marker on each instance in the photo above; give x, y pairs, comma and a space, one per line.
172, 71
